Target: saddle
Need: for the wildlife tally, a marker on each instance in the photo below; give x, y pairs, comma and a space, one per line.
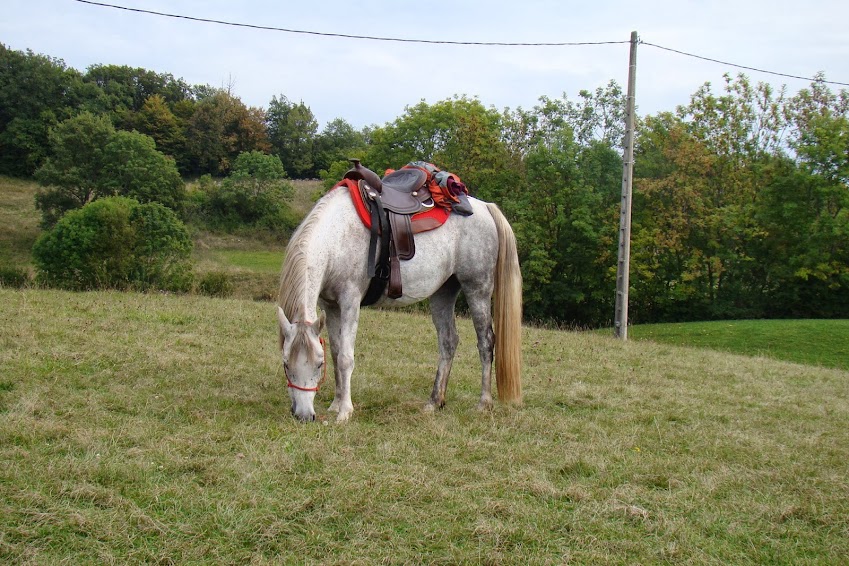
392, 202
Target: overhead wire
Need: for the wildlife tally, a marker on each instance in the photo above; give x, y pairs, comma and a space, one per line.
814, 79
351, 36
452, 42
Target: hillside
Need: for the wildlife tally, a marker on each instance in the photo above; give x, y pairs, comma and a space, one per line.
142, 428
18, 222
250, 262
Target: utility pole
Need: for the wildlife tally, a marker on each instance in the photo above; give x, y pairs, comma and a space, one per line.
620, 321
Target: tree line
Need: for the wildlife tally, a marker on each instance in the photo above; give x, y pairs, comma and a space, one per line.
202, 128
741, 196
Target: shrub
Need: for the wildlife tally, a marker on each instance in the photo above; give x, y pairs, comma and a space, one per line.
215, 284
162, 249
255, 195
14, 277
116, 243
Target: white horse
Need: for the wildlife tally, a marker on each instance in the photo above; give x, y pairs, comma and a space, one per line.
325, 266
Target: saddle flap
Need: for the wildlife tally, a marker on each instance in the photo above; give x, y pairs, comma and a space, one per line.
402, 235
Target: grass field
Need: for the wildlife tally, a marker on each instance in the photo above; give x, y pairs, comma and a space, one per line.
155, 429
815, 342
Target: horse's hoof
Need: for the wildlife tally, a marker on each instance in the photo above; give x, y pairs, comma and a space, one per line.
334, 407
429, 408
343, 416
484, 406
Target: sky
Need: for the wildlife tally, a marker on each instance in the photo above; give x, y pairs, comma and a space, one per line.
370, 82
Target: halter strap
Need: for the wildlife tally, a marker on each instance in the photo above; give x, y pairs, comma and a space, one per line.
323, 372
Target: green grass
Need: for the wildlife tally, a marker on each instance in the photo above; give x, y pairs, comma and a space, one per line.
816, 342
257, 261
153, 428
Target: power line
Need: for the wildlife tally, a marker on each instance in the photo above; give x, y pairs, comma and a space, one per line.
449, 42
742, 66
348, 36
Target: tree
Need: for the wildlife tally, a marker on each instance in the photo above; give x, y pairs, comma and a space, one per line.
157, 120
699, 177
566, 224
72, 174
220, 128
818, 203
36, 92
337, 142
124, 90
90, 160
292, 131
459, 135
133, 167
597, 117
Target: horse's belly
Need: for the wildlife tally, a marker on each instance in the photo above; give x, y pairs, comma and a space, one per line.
421, 277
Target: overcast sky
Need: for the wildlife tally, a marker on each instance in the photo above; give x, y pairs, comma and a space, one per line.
370, 82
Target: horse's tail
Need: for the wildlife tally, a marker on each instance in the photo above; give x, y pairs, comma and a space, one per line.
507, 312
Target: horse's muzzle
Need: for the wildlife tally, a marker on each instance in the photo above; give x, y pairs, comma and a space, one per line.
307, 416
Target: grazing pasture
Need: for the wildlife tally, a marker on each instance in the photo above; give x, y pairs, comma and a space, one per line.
154, 428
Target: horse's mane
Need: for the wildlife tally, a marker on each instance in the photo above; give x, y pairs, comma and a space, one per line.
293, 280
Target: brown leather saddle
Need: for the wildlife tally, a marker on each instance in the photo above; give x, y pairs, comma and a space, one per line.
392, 202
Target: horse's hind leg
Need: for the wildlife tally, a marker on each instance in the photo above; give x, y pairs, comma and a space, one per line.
479, 304
442, 312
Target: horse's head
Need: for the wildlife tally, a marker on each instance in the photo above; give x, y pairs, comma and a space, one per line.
302, 350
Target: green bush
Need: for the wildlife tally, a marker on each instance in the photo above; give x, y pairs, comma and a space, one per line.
14, 277
116, 243
162, 249
255, 195
215, 284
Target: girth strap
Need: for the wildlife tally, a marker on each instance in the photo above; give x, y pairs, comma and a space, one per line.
379, 272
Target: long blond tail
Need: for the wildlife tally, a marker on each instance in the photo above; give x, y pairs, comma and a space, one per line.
507, 312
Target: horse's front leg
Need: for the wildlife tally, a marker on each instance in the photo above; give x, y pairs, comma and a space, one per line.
342, 323
442, 312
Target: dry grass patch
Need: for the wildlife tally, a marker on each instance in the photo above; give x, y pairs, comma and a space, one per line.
18, 221
151, 428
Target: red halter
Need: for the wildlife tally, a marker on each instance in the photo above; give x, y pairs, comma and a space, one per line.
324, 368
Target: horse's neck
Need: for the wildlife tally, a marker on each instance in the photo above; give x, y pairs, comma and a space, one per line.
307, 259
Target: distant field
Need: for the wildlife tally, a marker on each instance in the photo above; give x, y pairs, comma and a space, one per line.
815, 342
155, 429
306, 193
257, 261
18, 222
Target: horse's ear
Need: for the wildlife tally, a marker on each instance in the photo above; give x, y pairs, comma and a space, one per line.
286, 327
320, 324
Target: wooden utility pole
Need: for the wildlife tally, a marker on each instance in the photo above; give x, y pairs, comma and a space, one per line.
620, 321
